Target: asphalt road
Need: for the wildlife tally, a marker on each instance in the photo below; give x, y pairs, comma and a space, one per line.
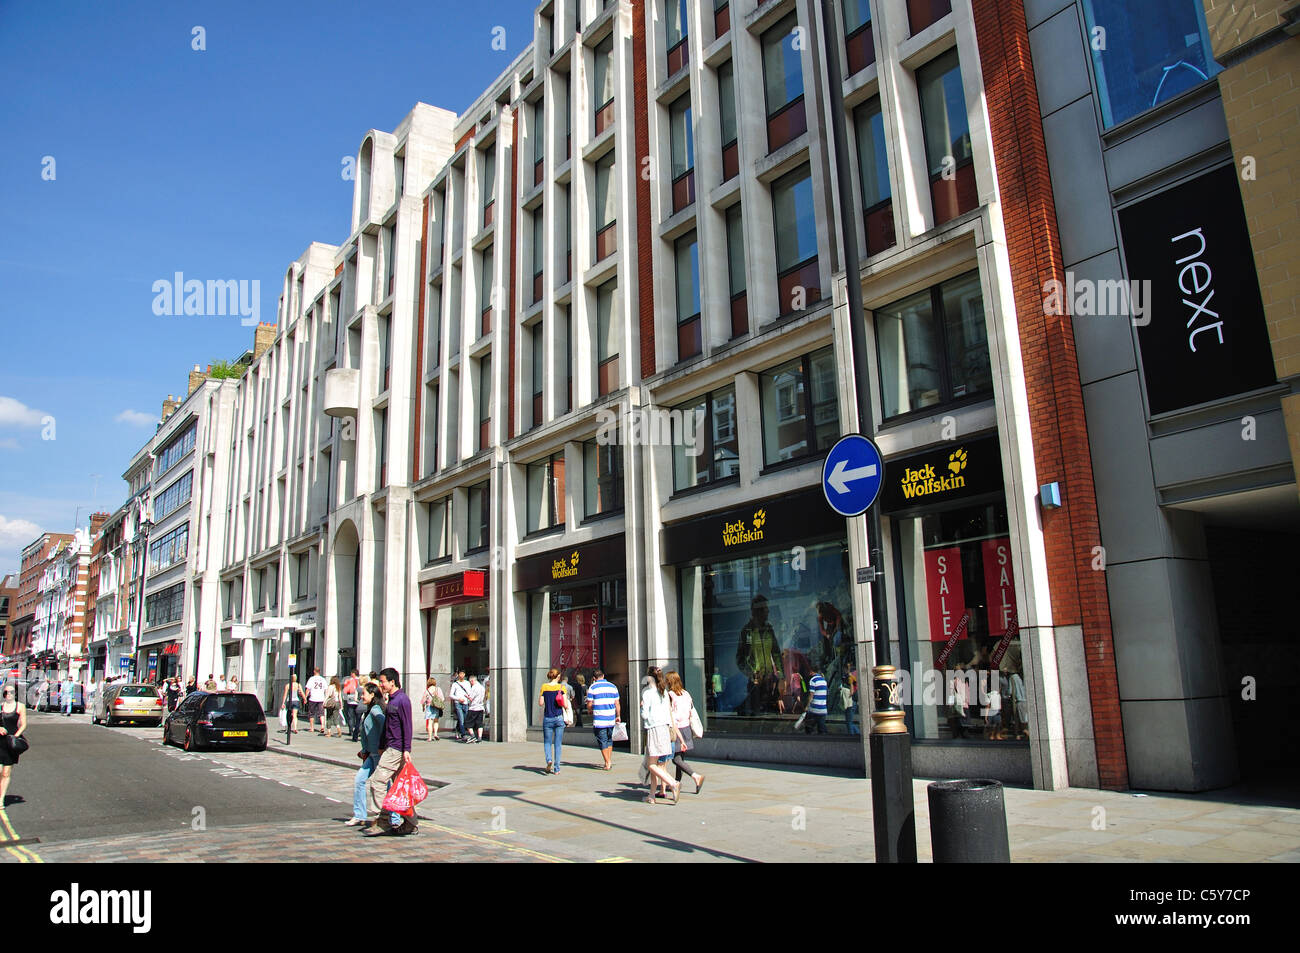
83, 781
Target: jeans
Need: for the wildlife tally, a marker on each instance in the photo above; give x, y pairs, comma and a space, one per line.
814, 723
462, 709
851, 719
354, 723
553, 739
68, 699
359, 786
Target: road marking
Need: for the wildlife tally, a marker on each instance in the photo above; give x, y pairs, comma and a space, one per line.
334, 799
491, 833
305, 791
511, 847
615, 860
20, 852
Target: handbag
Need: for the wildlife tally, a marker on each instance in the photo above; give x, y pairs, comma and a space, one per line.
697, 726
17, 744
620, 731
568, 713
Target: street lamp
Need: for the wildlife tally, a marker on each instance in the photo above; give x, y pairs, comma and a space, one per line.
893, 814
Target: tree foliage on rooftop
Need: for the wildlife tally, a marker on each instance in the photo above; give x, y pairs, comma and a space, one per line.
225, 369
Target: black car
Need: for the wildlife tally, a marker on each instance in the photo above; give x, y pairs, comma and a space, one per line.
222, 719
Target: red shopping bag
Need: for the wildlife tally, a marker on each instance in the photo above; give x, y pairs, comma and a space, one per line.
407, 790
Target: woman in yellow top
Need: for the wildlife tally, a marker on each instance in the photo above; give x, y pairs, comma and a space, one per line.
553, 700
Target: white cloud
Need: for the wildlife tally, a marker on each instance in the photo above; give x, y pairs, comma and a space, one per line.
17, 533
14, 413
135, 418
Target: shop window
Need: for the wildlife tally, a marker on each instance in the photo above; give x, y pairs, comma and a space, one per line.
682, 136
438, 517
736, 271
727, 120
609, 338
800, 408
706, 448
545, 494
795, 223
602, 478
933, 347
477, 535
873, 172
679, 53
762, 629
686, 254
1153, 51
577, 630
602, 87
859, 44
947, 138
606, 210
783, 83
959, 612
922, 13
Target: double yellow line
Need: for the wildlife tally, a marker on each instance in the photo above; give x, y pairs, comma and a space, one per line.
25, 855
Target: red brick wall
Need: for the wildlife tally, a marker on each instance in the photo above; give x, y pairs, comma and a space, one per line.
644, 241
1057, 423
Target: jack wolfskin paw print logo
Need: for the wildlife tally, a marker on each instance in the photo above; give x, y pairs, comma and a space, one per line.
573, 560
759, 519
957, 460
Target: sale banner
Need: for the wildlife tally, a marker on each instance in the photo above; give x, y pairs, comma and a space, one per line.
999, 585
944, 591
573, 638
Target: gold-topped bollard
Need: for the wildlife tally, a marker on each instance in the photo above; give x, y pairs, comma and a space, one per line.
887, 702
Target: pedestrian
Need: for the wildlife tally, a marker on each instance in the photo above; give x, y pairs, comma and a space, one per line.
211, 684
293, 698
477, 708
173, 694
334, 707
816, 709
552, 700
371, 713
351, 696
603, 703
232, 685
460, 703
191, 686
221, 682
316, 702
579, 699
657, 719
679, 699
13, 722
68, 696
395, 752
432, 702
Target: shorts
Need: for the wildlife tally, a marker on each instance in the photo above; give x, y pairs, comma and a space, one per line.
431, 713
604, 737
474, 719
315, 709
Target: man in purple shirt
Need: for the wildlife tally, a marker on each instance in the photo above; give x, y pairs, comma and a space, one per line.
394, 752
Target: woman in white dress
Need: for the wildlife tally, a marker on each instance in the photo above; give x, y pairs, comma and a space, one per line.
660, 733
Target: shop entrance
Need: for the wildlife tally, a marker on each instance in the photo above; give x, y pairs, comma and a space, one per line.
577, 630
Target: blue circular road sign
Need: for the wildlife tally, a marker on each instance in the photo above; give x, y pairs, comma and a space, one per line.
852, 475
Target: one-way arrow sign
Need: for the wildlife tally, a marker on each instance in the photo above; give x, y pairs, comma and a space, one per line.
852, 474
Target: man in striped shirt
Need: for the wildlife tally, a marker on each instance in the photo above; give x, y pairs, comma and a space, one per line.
602, 702
816, 705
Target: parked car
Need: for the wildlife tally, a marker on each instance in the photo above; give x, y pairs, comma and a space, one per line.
127, 703
52, 700
226, 719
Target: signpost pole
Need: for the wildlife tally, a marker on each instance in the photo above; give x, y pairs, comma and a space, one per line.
890, 743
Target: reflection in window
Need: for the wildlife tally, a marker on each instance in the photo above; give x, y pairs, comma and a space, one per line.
546, 493
800, 407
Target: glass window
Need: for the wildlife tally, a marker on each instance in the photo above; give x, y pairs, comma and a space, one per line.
484, 400
727, 102
686, 252
169, 549
735, 250
943, 112
795, 219
800, 407
609, 329
539, 131
489, 174
857, 14
1152, 52
873, 159
439, 540
578, 630
485, 280
538, 341
602, 477
606, 200
933, 347
479, 503
545, 493
539, 241
706, 446
683, 136
957, 579
162, 608
758, 630
602, 85
782, 70
174, 451
170, 499
303, 564
676, 26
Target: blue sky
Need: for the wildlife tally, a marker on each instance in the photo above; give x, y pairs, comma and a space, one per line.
222, 163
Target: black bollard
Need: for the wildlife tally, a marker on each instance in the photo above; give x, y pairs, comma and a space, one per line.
968, 822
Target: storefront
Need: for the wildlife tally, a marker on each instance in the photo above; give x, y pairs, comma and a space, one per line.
455, 614
956, 629
765, 605
577, 620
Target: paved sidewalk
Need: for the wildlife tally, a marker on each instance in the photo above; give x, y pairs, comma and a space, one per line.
776, 813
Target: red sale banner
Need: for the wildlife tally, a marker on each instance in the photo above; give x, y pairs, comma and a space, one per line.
999, 585
573, 638
945, 592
